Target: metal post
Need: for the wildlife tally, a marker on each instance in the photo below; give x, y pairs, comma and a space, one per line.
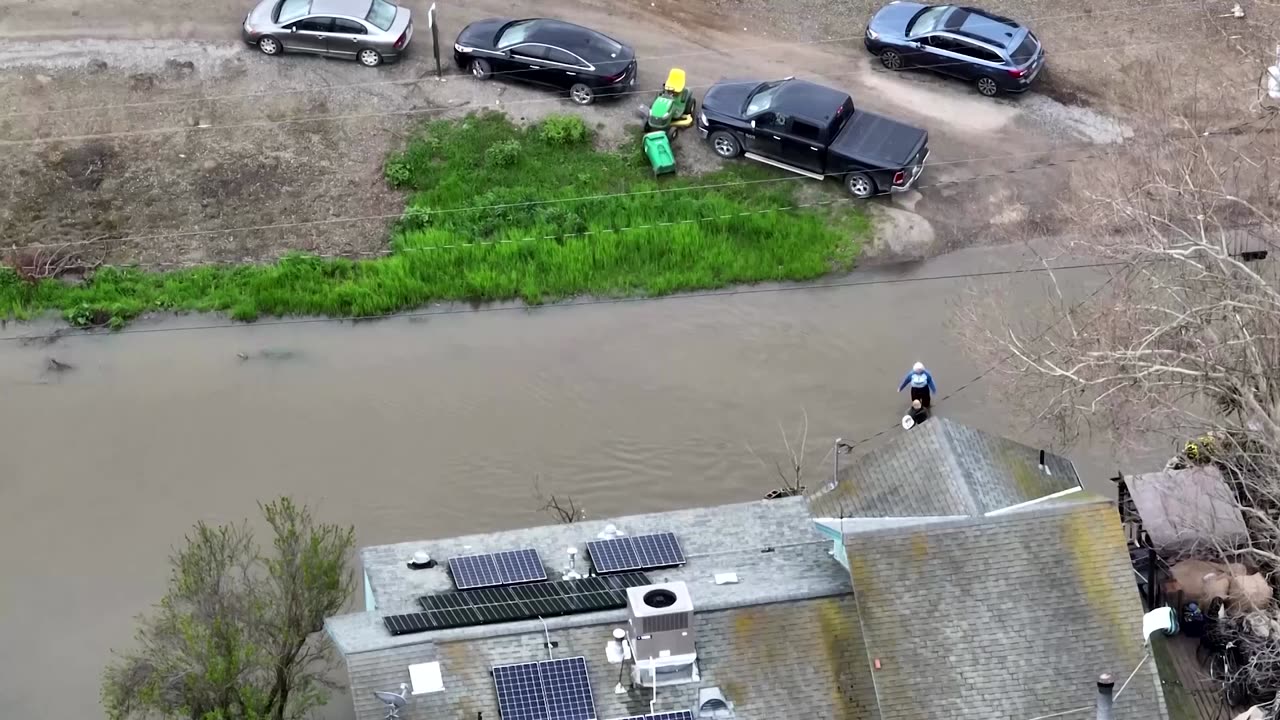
1106, 684
835, 464
435, 38
1151, 578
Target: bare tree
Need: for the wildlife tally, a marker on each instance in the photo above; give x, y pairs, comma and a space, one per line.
1180, 343
792, 477
565, 510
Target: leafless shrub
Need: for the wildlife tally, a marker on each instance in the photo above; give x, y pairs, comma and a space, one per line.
564, 510
33, 264
792, 478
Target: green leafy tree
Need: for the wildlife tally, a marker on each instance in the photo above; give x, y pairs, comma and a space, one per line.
238, 635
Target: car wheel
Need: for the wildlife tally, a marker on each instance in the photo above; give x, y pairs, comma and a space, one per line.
725, 144
891, 60
860, 185
987, 86
480, 69
269, 45
582, 94
369, 57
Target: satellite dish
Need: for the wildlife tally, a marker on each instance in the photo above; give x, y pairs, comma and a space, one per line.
907, 422
393, 701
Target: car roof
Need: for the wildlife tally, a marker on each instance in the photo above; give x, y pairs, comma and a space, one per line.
574, 38
352, 8
982, 25
820, 102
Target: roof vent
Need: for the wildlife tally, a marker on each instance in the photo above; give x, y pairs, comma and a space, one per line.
609, 532
712, 704
421, 561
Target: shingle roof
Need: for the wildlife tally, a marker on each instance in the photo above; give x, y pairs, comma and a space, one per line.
801, 659
784, 637
943, 468
1011, 616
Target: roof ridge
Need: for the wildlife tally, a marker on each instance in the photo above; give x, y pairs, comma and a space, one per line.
966, 482
1091, 504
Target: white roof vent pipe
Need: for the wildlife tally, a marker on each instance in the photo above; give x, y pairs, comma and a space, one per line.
571, 571
610, 531
618, 650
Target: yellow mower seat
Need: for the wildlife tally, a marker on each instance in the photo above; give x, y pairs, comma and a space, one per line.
675, 81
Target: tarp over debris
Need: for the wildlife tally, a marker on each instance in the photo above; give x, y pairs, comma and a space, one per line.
1182, 509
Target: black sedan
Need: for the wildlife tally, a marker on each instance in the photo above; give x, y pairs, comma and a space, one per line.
994, 53
585, 63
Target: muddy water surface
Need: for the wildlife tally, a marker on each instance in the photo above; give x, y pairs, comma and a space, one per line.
419, 427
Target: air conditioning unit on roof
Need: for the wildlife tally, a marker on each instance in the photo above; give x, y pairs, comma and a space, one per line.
662, 634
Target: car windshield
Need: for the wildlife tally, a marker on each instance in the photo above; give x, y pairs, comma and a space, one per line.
1025, 51
761, 99
291, 10
927, 21
514, 34
381, 14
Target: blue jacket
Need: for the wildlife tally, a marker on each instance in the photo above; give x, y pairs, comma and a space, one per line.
921, 379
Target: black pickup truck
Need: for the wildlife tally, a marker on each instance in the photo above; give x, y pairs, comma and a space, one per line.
814, 131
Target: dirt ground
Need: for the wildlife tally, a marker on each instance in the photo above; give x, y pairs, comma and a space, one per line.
149, 134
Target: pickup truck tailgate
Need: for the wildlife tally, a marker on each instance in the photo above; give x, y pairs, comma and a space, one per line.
879, 141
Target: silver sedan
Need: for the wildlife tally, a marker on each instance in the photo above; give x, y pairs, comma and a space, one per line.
371, 31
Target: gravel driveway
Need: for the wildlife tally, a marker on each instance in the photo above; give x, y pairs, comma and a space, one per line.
154, 136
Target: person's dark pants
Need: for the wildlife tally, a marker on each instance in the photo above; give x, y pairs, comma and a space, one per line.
921, 394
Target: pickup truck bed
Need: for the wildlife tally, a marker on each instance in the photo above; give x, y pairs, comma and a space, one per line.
880, 141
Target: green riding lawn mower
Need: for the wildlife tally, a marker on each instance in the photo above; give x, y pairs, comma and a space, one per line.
670, 112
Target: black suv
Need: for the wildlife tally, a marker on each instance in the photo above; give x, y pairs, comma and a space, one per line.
994, 53
586, 63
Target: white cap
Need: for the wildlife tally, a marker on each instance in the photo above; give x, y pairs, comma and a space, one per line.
918, 367
421, 558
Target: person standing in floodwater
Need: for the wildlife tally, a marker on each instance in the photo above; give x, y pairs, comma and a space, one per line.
921, 382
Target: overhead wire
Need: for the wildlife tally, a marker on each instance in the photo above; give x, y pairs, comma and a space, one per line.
663, 56
156, 235
332, 117
749, 290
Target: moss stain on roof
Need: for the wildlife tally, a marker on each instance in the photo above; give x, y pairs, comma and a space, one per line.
838, 647
1093, 542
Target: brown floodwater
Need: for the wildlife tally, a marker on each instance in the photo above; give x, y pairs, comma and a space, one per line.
432, 425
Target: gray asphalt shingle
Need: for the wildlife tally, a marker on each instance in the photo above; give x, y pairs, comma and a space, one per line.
942, 468
1011, 616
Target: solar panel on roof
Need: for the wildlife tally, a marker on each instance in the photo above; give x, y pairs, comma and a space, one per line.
547, 690
520, 694
678, 715
407, 624
485, 606
504, 568
642, 552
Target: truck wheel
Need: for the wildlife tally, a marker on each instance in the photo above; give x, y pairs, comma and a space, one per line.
860, 185
725, 144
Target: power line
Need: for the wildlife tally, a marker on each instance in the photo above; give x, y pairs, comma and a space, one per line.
848, 447
577, 303
606, 196
330, 117
364, 85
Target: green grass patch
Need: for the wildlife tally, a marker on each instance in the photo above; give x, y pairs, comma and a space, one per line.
606, 232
